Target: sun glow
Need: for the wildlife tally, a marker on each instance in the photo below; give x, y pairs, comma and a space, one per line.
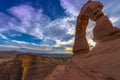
91, 43
68, 49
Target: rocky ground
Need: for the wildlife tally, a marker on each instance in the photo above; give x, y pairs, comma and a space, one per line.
6, 56
29, 67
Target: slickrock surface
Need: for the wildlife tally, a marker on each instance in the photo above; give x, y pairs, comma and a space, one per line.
56, 72
102, 63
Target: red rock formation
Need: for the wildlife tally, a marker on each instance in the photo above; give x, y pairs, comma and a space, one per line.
102, 62
11, 70
29, 67
89, 10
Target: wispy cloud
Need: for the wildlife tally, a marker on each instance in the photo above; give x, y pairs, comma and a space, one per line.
72, 6
111, 9
3, 36
22, 12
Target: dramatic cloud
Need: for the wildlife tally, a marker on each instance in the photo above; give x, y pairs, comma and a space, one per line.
31, 26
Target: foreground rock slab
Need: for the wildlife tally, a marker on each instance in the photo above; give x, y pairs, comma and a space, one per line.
102, 63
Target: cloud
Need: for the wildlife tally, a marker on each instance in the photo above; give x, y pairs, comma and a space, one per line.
9, 46
115, 20
111, 9
6, 21
19, 42
72, 6
3, 37
22, 12
35, 23
29, 22
64, 44
58, 29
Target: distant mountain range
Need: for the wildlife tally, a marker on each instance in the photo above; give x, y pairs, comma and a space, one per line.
25, 50
12, 54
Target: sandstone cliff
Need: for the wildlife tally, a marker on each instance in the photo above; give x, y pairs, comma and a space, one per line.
29, 67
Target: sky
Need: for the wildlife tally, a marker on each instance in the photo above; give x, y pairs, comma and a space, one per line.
46, 26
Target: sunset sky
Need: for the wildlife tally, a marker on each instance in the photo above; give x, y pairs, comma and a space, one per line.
46, 25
